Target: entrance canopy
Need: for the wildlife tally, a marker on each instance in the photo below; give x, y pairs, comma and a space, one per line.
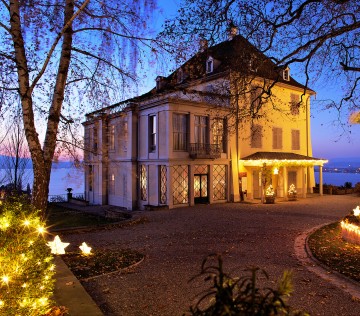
277, 159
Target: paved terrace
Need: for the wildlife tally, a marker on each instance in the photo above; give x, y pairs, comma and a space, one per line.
246, 234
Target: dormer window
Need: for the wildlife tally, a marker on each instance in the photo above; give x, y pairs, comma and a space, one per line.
210, 65
286, 74
159, 82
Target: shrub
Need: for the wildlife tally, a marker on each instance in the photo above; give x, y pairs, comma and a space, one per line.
26, 264
348, 185
357, 188
241, 296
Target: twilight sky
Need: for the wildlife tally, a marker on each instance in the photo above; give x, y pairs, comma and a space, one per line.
328, 139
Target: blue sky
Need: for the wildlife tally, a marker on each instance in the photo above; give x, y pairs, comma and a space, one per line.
328, 139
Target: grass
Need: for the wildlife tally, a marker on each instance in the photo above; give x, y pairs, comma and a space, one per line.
59, 217
329, 248
100, 262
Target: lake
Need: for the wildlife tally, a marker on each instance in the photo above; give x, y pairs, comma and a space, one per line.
338, 178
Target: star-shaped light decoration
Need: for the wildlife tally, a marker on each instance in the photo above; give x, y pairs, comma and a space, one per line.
57, 246
356, 211
86, 250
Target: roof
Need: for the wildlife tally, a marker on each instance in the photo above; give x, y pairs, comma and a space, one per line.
273, 158
237, 54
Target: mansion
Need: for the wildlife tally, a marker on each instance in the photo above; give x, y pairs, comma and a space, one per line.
223, 127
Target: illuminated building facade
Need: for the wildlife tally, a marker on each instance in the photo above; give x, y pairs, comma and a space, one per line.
208, 133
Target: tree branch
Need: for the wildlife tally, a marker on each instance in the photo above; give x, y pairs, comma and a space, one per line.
57, 39
104, 61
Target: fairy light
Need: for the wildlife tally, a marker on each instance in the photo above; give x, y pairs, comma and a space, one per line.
27, 269
5, 279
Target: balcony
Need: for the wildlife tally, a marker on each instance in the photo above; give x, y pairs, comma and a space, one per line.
204, 151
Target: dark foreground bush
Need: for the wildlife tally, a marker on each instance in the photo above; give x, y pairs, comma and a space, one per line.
229, 296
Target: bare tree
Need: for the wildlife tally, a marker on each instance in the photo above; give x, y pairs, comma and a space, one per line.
60, 56
318, 38
15, 162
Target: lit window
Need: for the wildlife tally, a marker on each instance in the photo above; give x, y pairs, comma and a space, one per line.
209, 65
152, 132
143, 183
295, 139
277, 138
218, 133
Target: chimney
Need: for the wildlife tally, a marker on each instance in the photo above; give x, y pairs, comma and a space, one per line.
232, 30
203, 45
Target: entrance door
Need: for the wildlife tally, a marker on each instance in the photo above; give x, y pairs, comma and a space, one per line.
201, 188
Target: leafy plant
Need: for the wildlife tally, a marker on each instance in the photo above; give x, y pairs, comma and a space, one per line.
241, 296
348, 185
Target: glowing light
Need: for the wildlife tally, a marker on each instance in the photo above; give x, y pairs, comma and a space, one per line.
356, 211
5, 279
57, 246
26, 222
276, 171
41, 230
350, 232
2, 303
283, 162
24, 285
270, 191
292, 189
86, 250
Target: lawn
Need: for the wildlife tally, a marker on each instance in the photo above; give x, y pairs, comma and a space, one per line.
100, 261
59, 217
329, 248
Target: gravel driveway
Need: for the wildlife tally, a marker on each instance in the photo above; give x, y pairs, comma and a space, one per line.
176, 241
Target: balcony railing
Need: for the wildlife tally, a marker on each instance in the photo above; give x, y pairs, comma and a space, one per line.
204, 151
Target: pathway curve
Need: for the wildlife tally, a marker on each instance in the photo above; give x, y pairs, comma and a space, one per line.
176, 241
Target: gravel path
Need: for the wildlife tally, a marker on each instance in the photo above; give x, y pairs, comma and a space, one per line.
176, 241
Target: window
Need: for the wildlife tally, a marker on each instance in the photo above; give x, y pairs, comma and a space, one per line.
95, 138
91, 177
294, 104
163, 184
209, 65
143, 183
112, 137
200, 129
218, 129
180, 76
152, 132
219, 182
180, 184
277, 138
180, 132
256, 136
295, 139
286, 74
255, 99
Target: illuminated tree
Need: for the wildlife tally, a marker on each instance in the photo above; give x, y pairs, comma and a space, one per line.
59, 56
26, 264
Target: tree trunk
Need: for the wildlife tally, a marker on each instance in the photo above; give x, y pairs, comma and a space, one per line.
41, 157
